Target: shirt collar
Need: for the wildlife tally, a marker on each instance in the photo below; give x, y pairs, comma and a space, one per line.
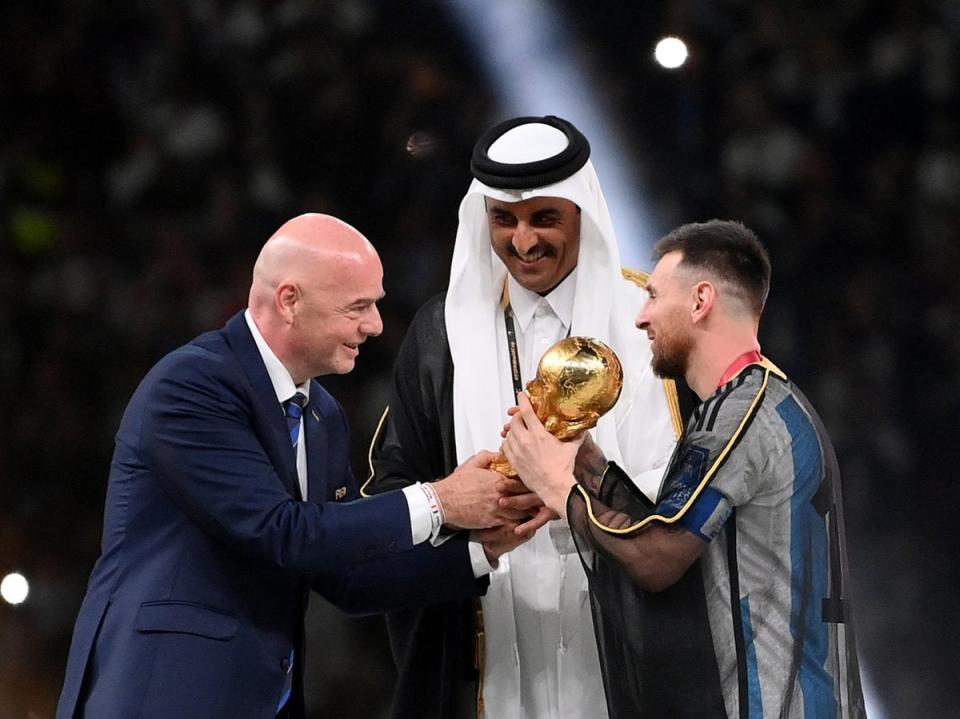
523, 302
279, 376
737, 366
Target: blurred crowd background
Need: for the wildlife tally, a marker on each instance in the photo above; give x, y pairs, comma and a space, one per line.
147, 149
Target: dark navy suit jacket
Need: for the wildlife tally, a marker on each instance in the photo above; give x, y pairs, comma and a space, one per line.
207, 556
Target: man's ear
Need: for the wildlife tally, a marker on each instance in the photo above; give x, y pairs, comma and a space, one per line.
285, 299
704, 296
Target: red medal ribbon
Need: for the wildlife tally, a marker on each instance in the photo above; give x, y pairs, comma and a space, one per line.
747, 358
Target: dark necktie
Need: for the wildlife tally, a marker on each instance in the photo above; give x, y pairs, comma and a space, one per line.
293, 408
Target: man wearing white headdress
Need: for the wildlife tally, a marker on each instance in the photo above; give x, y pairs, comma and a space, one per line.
535, 260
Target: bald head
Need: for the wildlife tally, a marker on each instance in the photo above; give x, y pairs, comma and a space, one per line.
314, 271
311, 246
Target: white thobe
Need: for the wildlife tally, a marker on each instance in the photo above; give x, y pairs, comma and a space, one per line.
564, 679
541, 654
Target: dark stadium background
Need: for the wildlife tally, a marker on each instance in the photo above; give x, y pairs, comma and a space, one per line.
147, 149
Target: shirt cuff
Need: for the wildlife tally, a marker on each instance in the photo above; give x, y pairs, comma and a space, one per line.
421, 524
441, 536
478, 560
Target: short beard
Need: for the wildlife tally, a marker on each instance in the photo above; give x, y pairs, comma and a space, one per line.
671, 356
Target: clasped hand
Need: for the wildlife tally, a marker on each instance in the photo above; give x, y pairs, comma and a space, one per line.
544, 462
503, 512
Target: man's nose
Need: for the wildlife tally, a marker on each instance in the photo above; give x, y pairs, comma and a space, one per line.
373, 325
524, 238
642, 321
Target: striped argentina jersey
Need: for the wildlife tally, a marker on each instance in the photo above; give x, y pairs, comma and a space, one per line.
755, 476
787, 634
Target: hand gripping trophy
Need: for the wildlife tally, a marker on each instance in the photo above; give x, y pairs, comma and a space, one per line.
578, 381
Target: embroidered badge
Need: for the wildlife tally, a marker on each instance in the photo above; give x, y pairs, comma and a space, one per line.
683, 480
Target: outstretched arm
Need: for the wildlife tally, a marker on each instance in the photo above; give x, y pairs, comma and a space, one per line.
655, 556
544, 463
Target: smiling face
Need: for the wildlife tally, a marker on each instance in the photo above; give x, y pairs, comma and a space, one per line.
537, 239
665, 318
337, 313
313, 297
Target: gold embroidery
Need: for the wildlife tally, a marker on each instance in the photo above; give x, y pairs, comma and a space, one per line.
703, 483
373, 442
637, 277
479, 652
673, 404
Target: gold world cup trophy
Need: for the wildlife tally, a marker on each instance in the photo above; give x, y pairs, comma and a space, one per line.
578, 381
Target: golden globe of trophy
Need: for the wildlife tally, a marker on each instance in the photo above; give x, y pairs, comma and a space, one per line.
578, 381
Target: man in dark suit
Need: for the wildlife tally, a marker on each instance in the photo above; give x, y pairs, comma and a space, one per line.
230, 495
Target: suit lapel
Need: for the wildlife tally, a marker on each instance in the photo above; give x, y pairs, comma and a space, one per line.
270, 421
316, 452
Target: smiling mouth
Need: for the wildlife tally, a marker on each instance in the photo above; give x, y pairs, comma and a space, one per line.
533, 259
534, 255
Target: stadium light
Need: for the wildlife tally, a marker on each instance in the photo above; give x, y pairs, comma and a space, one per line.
14, 588
671, 53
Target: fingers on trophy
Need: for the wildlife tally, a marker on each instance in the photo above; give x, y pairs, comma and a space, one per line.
578, 380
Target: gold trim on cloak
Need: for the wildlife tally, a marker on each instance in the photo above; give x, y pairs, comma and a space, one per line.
640, 279
373, 442
769, 368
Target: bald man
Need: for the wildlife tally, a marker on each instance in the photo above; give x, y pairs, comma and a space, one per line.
230, 495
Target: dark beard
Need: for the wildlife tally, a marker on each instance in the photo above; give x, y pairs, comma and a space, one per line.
671, 357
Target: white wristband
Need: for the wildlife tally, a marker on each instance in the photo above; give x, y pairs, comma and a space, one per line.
437, 517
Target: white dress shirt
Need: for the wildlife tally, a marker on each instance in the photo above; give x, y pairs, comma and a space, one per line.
540, 588
285, 389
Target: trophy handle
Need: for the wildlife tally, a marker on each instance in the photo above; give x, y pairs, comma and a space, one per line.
572, 430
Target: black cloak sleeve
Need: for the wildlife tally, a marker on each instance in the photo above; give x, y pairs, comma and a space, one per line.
415, 442
433, 646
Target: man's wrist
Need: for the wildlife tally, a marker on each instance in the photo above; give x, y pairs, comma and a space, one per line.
426, 513
437, 515
561, 494
440, 488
